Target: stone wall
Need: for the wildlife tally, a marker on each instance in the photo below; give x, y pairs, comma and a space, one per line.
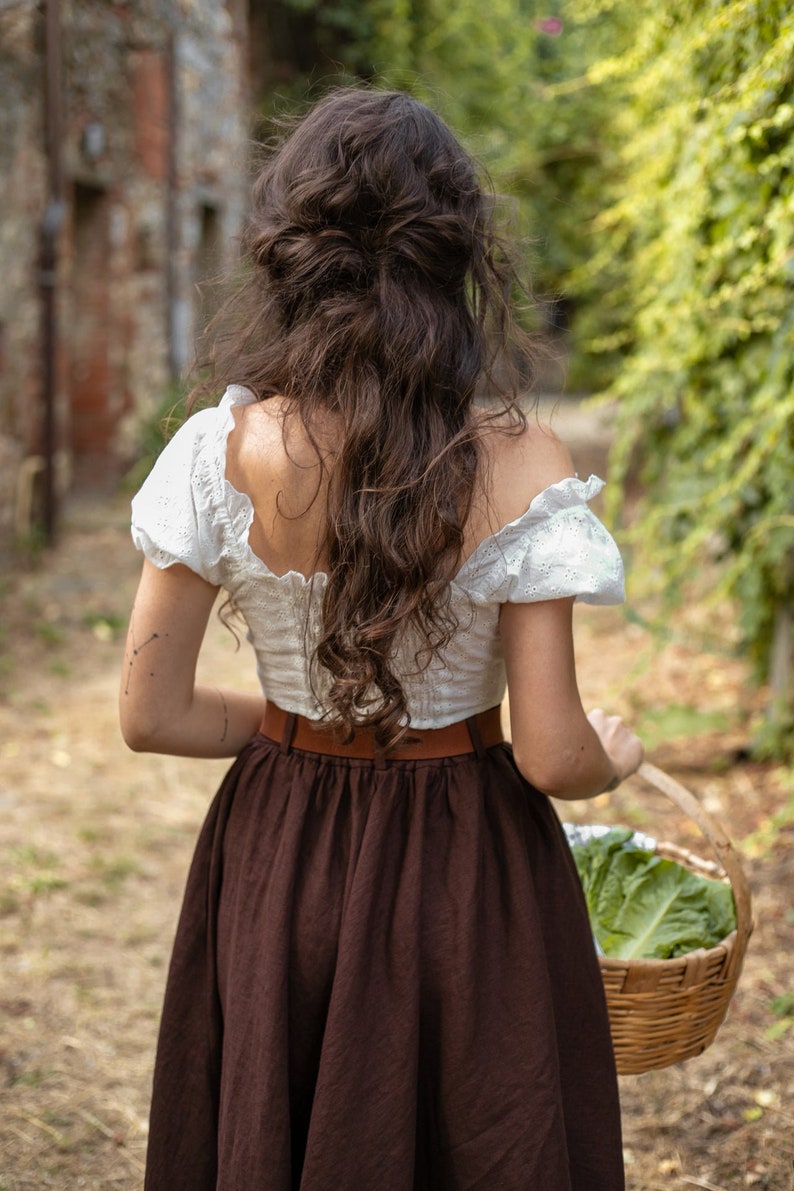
152, 146
22, 203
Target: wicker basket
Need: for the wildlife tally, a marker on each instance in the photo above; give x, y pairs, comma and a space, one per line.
662, 1011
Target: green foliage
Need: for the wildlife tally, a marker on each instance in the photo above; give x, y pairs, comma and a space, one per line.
783, 1009
703, 215
340, 33
512, 80
675, 721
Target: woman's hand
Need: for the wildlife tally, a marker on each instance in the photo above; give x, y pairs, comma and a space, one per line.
622, 746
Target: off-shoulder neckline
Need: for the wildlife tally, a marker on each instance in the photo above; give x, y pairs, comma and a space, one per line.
571, 492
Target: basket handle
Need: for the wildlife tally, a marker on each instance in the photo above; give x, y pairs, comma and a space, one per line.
726, 854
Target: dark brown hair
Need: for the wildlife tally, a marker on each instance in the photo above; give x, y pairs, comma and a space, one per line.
377, 290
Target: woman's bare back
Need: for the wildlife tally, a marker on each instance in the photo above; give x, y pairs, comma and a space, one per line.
270, 458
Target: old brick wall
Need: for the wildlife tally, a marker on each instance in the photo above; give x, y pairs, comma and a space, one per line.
22, 192
153, 145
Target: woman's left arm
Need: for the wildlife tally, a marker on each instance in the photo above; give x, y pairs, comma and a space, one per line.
161, 709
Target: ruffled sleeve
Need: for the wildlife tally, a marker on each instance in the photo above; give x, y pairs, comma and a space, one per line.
557, 548
179, 515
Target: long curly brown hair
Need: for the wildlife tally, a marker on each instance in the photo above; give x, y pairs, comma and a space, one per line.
378, 291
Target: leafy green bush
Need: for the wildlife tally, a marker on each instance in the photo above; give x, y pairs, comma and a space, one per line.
511, 78
703, 214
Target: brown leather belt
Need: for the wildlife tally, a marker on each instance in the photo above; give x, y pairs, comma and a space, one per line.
472, 735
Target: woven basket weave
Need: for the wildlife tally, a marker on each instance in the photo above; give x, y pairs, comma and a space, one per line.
662, 1011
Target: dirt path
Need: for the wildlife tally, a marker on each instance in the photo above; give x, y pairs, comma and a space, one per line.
96, 842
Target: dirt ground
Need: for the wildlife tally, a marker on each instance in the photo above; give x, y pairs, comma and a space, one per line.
96, 842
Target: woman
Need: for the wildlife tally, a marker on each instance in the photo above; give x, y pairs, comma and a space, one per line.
383, 975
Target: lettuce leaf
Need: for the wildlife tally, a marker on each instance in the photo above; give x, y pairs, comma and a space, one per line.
644, 906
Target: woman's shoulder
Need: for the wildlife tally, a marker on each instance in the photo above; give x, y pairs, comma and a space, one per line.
532, 534
520, 464
269, 454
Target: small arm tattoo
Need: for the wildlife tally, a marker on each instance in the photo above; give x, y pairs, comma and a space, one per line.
136, 651
224, 705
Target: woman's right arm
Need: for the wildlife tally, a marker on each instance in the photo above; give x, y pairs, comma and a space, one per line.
557, 747
161, 708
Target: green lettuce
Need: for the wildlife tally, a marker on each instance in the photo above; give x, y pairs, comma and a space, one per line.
642, 906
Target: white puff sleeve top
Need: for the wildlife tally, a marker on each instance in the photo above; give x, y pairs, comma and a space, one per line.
188, 512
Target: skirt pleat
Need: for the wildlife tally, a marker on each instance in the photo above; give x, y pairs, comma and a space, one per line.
383, 978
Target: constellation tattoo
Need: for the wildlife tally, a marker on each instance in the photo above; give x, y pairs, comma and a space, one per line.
222, 698
136, 650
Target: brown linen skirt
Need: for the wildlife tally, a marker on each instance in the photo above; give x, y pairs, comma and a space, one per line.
383, 979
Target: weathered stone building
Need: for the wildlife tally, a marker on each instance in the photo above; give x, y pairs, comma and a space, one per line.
123, 144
